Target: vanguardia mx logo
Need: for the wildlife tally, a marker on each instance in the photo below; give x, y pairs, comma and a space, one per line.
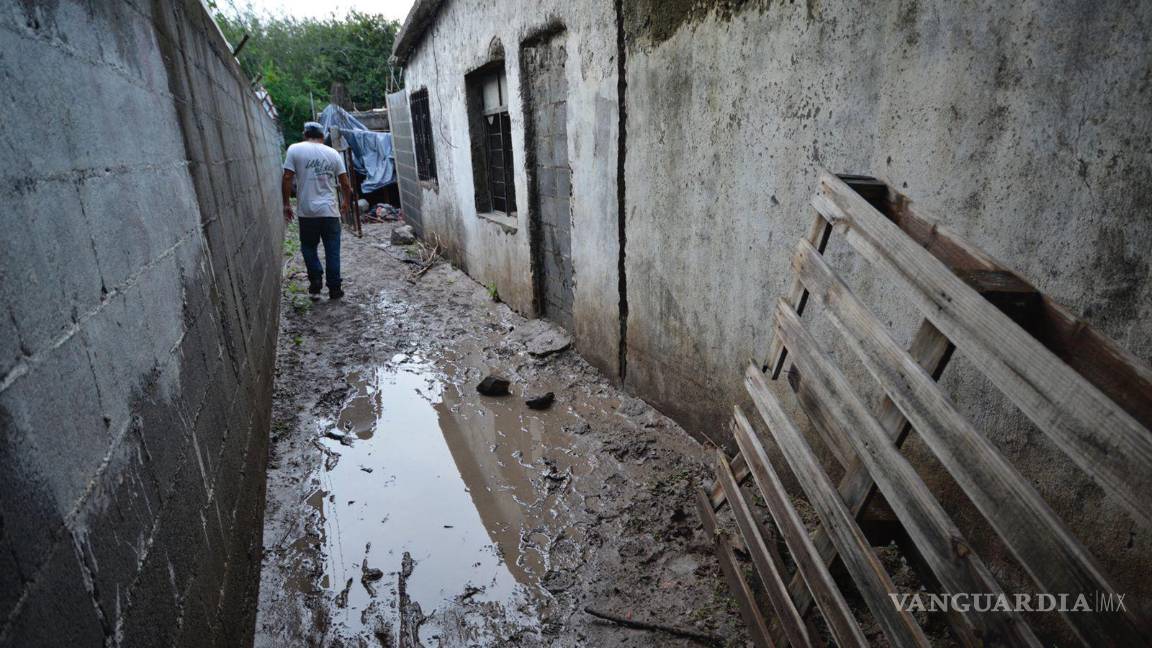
965, 602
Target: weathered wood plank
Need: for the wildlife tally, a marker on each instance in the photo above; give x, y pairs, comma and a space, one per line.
740, 470
955, 565
767, 562
757, 629
839, 446
1054, 558
818, 234
808, 563
1101, 437
862, 564
1119, 374
932, 350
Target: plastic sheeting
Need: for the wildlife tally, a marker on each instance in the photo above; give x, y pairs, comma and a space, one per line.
371, 151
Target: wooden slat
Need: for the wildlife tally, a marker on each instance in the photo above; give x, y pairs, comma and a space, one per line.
958, 569
818, 234
1115, 371
1044, 546
740, 470
862, 564
757, 629
1101, 437
932, 350
808, 563
1120, 375
767, 562
839, 446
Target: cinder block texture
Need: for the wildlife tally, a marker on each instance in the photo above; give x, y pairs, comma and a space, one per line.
140, 292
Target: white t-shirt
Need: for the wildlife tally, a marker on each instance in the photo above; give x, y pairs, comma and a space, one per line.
316, 167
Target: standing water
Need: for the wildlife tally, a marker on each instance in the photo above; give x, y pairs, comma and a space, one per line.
439, 511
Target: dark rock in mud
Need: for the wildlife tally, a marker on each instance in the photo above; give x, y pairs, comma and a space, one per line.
403, 235
372, 574
541, 402
494, 386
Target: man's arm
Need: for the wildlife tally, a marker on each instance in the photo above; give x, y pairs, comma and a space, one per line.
286, 193
346, 192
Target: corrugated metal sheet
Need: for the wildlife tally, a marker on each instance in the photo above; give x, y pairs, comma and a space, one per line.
405, 153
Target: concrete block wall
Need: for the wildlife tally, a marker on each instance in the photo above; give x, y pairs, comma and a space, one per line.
140, 293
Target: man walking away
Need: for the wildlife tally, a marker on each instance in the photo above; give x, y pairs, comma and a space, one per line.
315, 168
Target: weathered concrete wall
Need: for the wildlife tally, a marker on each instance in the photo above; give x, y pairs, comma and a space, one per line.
460, 41
140, 287
1023, 126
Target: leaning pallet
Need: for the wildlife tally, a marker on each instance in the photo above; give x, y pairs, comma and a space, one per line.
1092, 399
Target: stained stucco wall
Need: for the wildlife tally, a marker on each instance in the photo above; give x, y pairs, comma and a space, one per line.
1025, 127
460, 41
140, 288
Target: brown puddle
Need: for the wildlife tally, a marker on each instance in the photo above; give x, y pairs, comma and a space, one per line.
475, 489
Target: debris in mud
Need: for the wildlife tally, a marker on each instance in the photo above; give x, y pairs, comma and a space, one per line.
656, 627
541, 402
493, 385
557, 581
632, 407
469, 592
543, 339
342, 597
403, 235
411, 616
581, 428
368, 576
330, 458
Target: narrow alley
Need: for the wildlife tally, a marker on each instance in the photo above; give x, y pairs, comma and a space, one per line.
722, 323
402, 503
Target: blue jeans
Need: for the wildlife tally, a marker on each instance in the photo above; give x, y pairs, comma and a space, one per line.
312, 231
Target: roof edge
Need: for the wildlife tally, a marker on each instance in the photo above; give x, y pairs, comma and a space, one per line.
420, 18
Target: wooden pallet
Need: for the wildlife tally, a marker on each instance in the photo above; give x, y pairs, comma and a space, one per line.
1092, 399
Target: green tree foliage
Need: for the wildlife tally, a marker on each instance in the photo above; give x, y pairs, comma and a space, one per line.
294, 57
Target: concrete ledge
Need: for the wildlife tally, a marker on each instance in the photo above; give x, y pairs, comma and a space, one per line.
508, 223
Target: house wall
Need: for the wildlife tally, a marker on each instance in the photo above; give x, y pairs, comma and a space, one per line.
1024, 127
457, 43
141, 264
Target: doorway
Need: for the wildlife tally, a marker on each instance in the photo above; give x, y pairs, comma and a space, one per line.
550, 177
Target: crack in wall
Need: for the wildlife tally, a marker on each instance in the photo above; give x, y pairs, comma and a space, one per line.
621, 215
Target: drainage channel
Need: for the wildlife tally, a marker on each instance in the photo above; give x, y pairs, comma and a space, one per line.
439, 512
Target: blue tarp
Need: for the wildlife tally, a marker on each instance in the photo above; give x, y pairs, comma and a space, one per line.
371, 151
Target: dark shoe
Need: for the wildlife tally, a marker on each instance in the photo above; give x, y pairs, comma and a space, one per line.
315, 286
335, 293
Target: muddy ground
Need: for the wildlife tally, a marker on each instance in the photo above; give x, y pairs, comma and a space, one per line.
405, 508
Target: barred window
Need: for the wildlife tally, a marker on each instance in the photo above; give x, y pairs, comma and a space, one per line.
422, 136
491, 130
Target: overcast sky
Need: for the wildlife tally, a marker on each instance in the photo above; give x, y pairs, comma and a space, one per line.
395, 9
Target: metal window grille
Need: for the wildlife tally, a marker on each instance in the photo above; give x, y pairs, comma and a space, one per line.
498, 138
422, 135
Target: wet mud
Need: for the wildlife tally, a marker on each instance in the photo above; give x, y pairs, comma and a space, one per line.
405, 509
